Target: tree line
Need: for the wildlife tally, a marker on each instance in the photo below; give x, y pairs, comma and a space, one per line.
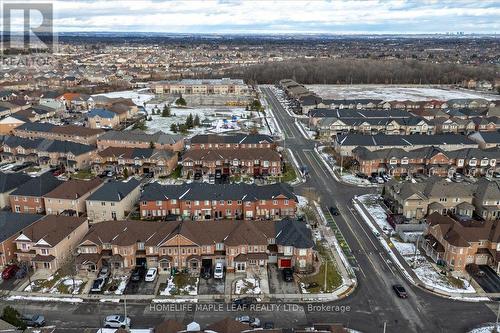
364, 71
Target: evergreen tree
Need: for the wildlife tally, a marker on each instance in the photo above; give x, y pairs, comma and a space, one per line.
196, 121
174, 128
166, 111
189, 121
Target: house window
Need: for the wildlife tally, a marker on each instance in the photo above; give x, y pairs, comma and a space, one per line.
219, 246
17, 209
103, 203
158, 203
44, 251
275, 202
46, 265
229, 202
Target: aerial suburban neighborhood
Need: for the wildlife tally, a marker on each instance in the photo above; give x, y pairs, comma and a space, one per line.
227, 181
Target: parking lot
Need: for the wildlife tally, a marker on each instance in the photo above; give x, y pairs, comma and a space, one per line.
211, 286
276, 283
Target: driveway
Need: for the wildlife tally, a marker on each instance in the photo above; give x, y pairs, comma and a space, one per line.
11, 284
141, 287
276, 283
211, 286
490, 282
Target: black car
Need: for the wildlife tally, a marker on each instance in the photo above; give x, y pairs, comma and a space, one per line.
138, 274
206, 272
287, 274
334, 211
244, 301
400, 291
268, 325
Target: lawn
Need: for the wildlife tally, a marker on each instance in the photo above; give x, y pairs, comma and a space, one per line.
333, 277
289, 174
180, 284
176, 173
82, 174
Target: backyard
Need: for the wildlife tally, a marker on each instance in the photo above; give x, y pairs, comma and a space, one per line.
327, 269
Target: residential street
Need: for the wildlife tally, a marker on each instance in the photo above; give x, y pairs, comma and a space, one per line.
372, 304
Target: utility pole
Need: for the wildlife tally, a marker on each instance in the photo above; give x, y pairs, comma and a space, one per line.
326, 271
498, 314
415, 254
385, 325
125, 306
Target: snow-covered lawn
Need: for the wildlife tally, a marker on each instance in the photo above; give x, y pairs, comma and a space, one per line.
303, 201
64, 285
120, 282
428, 272
390, 93
370, 202
247, 286
485, 329
138, 97
181, 285
353, 180
45, 299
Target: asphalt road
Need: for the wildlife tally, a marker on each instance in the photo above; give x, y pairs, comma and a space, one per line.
372, 304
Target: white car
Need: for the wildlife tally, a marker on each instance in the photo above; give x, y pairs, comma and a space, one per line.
219, 271
252, 321
151, 274
117, 321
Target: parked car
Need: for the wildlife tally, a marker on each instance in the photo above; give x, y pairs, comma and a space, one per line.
137, 274
361, 175
219, 271
457, 178
97, 285
244, 301
268, 325
334, 211
252, 321
379, 180
206, 272
117, 321
104, 273
22, 272
287, 274
151, 274
9, 272
400, 291
211, 179
33, 320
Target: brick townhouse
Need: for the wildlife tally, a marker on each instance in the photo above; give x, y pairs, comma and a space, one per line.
238, 245
70, 155
244, 161
459, 242
201, 201
78, 134
28, 197
50, 241
416, 200
427, 160
69, 197
136, 161
140, 139
11, 225
234, 141
102, 118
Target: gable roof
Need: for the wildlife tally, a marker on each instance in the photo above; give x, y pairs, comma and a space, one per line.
12, 180
52, 229
234, 138
11, 223
38, 186
114, 190
74, 188
294, 233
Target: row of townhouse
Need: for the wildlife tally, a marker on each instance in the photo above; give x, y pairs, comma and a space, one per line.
42, 242
427, 160
345, 144
73, 133
44, 152
238, 245
229, 162
140, 139
231, 141
457, 242
199, 201
416, 200
224, 86
94, 198
136, 161
465, 126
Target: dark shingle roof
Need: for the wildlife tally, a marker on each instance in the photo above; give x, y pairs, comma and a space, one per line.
202, 191
12, 223
240, 138
12, 180
114, 190
38, 186
293, 233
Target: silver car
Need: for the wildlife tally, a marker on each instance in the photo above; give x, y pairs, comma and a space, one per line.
117, 321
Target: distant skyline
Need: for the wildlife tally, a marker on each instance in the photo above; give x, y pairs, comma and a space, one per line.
287, 17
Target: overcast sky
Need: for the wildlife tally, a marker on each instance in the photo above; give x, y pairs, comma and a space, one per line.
261, 16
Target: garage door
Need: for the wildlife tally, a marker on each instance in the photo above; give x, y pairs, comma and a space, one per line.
285, 263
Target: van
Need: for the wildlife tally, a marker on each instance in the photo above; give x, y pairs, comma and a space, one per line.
219, 271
